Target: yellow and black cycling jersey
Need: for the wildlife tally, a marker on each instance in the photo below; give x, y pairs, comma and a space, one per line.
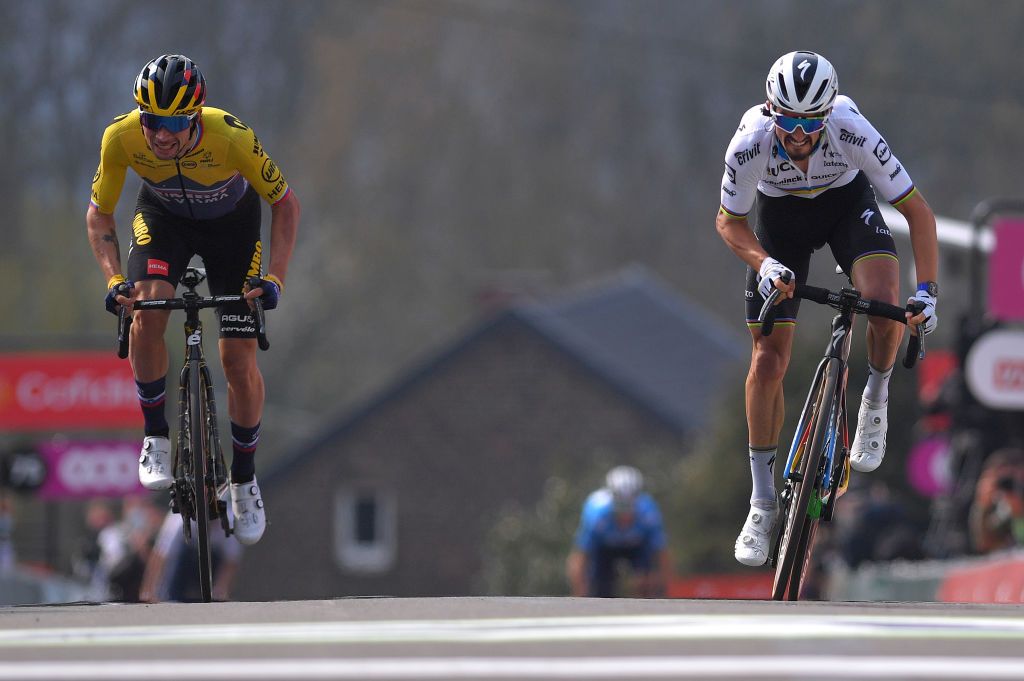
205, 183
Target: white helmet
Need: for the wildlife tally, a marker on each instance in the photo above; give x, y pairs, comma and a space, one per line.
802, 82
625, 483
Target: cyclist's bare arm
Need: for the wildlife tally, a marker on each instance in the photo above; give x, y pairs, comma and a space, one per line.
741, 239
103, 238
922, 236
284, 226
102, 233
923, 240
576, 567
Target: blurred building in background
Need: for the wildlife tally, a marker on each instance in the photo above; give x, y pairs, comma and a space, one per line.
397, 497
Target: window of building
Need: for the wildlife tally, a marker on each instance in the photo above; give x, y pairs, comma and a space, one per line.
365, 532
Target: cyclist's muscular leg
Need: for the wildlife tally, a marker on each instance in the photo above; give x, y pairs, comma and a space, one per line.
245, 408
764, 399
878, 278
147, 350
147, 353
768, 364
245, 382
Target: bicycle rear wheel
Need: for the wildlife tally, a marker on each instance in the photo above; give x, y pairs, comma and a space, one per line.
800, 523
198, 444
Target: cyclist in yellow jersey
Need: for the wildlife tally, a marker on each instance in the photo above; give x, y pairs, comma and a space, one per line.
203, 174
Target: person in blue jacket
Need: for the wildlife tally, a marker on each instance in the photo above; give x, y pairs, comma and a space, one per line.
620, 526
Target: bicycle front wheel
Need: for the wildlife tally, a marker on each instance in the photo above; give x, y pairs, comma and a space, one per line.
198, 443
801, 519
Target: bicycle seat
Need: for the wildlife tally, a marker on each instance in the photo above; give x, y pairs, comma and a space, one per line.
193, 276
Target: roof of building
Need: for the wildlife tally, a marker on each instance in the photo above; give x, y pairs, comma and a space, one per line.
659, 350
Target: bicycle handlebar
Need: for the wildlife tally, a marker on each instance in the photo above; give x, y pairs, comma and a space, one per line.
851, 300
124, 321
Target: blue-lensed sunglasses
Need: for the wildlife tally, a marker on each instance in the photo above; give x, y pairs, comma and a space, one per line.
789, 124
172, 123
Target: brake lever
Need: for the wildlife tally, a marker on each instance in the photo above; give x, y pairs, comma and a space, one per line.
767, 314
915, 346
259, 316
124, 322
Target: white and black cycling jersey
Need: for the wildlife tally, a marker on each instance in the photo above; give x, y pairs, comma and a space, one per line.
757, 161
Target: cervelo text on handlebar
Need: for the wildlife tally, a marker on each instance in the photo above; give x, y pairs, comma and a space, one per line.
853, 302
198, 303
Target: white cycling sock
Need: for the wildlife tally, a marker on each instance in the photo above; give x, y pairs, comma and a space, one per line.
762, 472
877, 388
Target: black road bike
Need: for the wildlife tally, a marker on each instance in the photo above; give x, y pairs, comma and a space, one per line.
200, 477
817, 468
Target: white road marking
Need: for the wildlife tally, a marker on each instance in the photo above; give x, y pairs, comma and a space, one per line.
788, 667
518, 630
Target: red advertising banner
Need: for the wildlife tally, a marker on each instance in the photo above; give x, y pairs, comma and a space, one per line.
82, 470
1006, 271
751, 586
67, 390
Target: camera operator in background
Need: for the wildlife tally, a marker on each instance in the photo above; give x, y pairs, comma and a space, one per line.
997, 513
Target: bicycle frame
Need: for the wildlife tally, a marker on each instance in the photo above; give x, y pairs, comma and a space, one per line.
200, 475
837, 351
814, 473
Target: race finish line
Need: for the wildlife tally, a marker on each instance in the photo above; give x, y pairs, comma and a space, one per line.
528, 630
788, 667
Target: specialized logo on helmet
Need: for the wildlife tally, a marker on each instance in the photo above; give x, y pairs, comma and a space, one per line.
802, 82
804, 65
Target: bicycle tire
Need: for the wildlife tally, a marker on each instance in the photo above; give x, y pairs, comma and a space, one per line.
803, 555
794, 554
198, 445
781, 550
183, 503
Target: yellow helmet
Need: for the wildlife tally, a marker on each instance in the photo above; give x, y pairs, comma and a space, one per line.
170, 85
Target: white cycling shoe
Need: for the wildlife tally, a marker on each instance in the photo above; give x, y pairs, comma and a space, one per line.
155, 463
868, 446
755, 538
247, 506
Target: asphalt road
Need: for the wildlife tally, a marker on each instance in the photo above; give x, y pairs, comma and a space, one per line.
512, 638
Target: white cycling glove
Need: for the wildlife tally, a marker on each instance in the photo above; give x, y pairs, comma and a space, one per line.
771, 269
931, 320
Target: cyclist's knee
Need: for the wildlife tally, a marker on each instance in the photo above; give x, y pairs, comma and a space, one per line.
886, 329
769, 363
239, 362
149, 326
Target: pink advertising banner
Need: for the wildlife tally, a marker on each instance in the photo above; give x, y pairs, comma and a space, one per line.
1006, 271
80, 470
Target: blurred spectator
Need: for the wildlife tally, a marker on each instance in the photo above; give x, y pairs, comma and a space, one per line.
98, 550
997, 513
874, 527
172, 572
620, 527
7, 557
134, 537
113, 553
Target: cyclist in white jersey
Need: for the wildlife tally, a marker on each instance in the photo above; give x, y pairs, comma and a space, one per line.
810, 159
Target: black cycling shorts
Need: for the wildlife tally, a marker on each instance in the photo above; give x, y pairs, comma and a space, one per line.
604, 563
790, 228
163, 244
